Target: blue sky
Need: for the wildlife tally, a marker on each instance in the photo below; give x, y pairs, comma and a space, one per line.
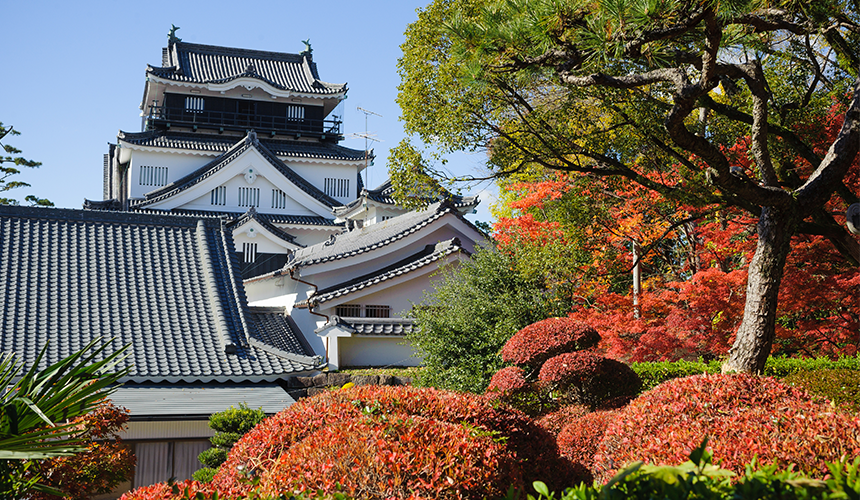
73, 73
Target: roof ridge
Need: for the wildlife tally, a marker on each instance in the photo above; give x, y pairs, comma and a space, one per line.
239, 52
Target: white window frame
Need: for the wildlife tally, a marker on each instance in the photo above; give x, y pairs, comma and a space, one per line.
249, 197
218, 196
151, 175
336, 187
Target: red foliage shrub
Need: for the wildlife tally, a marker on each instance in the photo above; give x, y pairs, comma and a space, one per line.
742, 415
413, 457
163, 491
508, 381
104, 464
578, 440
554, 422
592, 378
257, 451
259, 448
540, 341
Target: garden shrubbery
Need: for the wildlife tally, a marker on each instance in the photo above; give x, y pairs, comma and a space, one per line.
744, 416
554, 369
446, 445
841, 386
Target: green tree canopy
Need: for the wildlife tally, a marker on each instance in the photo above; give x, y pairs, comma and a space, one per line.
656, 92
10, 163
475, 308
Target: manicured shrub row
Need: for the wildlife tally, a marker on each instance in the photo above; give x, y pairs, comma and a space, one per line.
555, 421
579, 439
655, 373
540, 341
744, 416
395, 458
840, 386
389, 442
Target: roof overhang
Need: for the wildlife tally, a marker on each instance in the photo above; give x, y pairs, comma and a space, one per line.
247, 83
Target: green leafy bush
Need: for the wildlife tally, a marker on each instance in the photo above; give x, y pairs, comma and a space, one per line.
204, 475
783, 367
474, 309
840, 385
745, 416
655, 373
213, 457
230, 424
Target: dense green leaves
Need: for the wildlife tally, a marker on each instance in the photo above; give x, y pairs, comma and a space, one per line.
474, 310
10, 161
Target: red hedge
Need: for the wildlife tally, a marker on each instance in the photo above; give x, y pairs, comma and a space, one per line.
540, 341
554, 422
743, 415
508, 381
415, 457
593, 378
257, 451
578, 440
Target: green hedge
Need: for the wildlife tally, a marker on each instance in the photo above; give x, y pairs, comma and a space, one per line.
655, 373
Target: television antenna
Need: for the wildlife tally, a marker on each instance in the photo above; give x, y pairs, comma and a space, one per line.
368, 138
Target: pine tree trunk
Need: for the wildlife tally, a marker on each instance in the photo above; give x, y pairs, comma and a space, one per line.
757, 331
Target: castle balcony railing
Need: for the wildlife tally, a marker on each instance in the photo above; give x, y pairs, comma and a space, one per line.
166, 116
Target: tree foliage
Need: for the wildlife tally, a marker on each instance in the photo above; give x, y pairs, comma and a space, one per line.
690, 108
36, 406
475, 308
10, 162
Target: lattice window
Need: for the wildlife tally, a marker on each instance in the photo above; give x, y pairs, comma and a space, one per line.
348, 311
295, 112
218, 196
337, 188
249, 197
377, 311
153, 176
279, 199
194, 104
249, 252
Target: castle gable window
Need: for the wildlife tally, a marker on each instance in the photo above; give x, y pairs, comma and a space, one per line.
249, 197
336, 188
218, 196
153, 176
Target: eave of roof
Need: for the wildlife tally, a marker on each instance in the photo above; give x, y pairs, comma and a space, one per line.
382, 327
371, 237
286, 219
208, 144
422, 259
383, 195
253, 215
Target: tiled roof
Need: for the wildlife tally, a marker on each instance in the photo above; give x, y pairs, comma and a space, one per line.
252, 215
167, 285
222, 143
370, 237
429, 255
194, 63
300, 220
197, 400
389, 327
250, 141
384, 194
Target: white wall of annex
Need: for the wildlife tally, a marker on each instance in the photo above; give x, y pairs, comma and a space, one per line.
376, 351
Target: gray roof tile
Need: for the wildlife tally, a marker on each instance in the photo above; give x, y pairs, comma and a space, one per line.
194, 63
370, 237
69, 276
222, 143
384, 194
431, 254
389, 327
301, 220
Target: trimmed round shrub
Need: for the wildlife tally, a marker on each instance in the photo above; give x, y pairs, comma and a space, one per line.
588, 378
508, 381
743, 416
840, 386
258, 451
412, 457
554, 422
540, 341
578, 440
213, 457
